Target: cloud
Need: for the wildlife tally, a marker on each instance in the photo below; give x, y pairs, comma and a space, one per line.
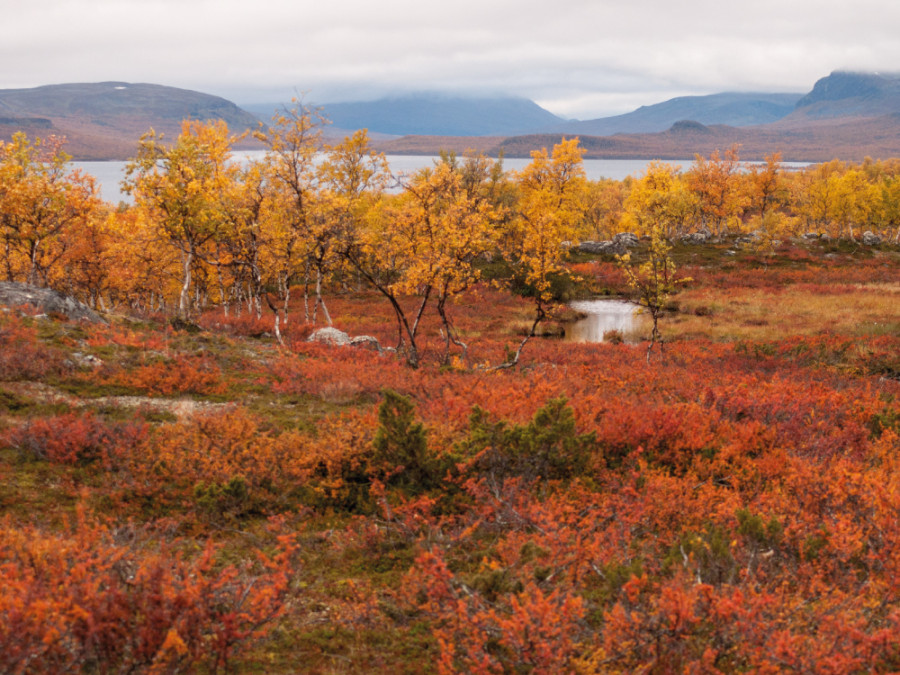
579, 57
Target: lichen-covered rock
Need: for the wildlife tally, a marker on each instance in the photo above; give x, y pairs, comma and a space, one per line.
627, 239
329, 336
338, 338
366, 342
695, 237
602, 247
870, 238
47, 301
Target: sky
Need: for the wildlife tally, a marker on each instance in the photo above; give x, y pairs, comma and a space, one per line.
578, 58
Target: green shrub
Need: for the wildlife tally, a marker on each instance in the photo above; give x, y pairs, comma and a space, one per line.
548, 447
402, 457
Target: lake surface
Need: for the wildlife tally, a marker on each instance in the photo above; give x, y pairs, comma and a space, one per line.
109, 175
604, 316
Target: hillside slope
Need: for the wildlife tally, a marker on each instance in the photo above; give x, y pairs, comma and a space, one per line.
847, 95
104, 120
440, 115
732, 109
848, 116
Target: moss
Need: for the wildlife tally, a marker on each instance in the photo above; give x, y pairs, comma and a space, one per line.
13, 403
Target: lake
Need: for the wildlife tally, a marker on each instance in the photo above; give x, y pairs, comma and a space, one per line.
109, 175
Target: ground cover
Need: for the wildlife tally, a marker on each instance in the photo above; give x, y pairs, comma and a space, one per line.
202, 500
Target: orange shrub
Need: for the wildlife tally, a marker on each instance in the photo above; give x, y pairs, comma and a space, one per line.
81, 600
22, 355
181, 375
75, 438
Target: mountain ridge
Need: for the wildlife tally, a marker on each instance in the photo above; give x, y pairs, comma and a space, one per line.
736, 109
438, 114
101, 120
846, 115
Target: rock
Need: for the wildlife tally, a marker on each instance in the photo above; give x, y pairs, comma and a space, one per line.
695, 237
627, 239
329, 336
870, 238
366, 342
811, 235
86, 360
48, 301
338, 338
601, 247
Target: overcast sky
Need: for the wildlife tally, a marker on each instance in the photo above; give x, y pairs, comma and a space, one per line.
578, 58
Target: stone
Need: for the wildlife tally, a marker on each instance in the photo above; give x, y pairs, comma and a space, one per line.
47, 301
329, 336
627, 239
366, 342
695, 238
338, 338
870, 238
86, 360
602, 247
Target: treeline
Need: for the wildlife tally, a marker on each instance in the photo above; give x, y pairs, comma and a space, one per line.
207, 230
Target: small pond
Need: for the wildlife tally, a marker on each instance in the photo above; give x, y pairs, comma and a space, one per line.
602, 317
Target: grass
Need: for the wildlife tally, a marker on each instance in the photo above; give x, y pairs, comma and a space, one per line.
764, 314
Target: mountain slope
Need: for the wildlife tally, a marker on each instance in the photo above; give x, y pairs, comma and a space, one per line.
818, 140
846, 115
732, 109
849, 94
105, 120
434, 114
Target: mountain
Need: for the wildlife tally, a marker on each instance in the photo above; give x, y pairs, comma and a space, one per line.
849, 94
732, 109
846, 115
104, 120
818, 141
442, 115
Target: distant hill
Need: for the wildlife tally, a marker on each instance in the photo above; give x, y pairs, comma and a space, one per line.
817, 141
848, 94
846, 115
105, 120
732, 109
442, 115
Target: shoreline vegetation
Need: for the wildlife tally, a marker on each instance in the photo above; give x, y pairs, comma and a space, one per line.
192, 484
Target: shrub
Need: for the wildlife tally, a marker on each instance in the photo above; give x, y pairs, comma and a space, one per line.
548, 447
76, 439
22, 355
402, 456
82, 601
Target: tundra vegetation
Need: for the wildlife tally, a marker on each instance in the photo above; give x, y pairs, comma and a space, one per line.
195, 487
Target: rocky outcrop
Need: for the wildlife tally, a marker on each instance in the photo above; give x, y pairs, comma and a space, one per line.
699, 237
329, 336
338, 338
618, 245
601, 248
627, 239
870, 238
47, 301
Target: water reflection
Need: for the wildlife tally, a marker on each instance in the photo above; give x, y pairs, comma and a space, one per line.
603, 317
